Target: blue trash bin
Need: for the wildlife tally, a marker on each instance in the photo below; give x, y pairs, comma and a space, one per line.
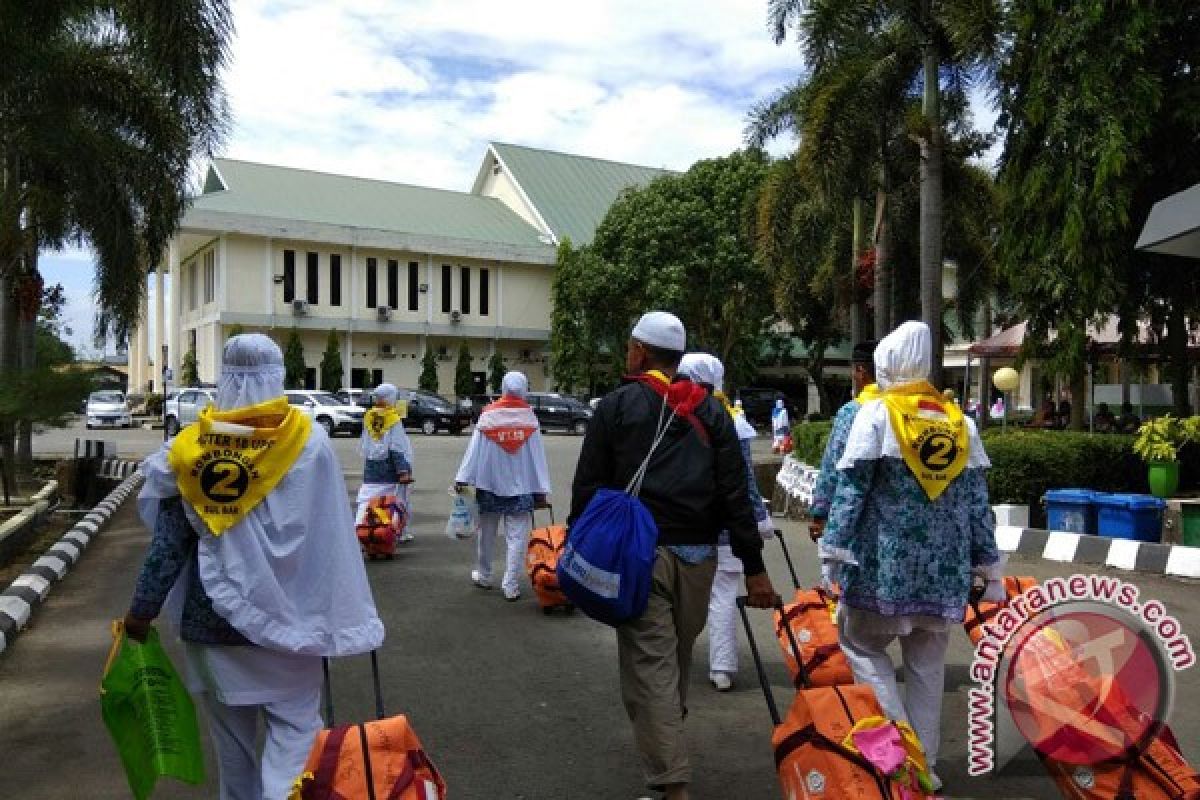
1130, 516
1071, 510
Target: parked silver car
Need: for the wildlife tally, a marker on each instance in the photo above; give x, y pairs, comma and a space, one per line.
183, 407
329, 411
107, 409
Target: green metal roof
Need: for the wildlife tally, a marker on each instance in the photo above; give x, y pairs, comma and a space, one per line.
572, 193
243, 187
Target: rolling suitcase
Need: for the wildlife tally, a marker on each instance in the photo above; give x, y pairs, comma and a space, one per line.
1151, 769
810, 755
980, 613
379, 530
808, 622
378, 760
541, 561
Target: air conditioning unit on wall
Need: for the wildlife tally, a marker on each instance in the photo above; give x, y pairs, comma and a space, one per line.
383, 313
387, 350
456, 316
299, 307
443, 354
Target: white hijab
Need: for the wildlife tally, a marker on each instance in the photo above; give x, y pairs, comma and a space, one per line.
708, 369
396, 438
289, 575
903, 356
488, 466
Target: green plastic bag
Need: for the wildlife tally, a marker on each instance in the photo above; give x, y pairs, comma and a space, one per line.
149, 714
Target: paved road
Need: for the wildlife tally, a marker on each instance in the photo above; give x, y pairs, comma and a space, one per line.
511, 704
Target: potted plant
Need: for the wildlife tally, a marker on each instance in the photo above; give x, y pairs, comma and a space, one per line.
1157, 443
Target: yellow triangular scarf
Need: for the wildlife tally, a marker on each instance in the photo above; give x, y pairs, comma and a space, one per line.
931, 432
226, 464
869, 392
378, 421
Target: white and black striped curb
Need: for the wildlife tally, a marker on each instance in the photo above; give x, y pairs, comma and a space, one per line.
30, 589
117, 468
795, 483
1081, 548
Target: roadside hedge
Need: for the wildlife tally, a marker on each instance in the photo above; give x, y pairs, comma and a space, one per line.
1027, 463
808, 441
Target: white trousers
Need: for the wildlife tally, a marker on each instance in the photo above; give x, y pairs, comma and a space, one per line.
291, 728
722, 613
516, 535
923, 653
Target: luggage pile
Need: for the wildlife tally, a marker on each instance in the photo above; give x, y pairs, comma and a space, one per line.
815, 742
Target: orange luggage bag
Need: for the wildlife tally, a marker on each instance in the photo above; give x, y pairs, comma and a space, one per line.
541, 562
379, 530
376, 760
810, 756
1151, 769
980, 613
810, 618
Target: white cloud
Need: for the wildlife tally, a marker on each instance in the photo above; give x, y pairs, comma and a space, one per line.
412, 91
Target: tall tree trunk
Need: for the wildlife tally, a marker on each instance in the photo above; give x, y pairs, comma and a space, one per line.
985, 366
931, 200
27, 346
8, 362
883, 252
858, 237
1178, 354
1078, 384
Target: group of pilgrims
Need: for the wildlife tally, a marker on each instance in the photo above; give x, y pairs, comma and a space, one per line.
261, 586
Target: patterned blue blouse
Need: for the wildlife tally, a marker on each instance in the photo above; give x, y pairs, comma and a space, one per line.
495, 504
173, 545
914, 556
384, 470
834, 447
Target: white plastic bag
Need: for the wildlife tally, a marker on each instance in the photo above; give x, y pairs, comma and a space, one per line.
464, 516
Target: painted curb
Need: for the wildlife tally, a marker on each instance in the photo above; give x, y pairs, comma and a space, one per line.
794, 484
31, 587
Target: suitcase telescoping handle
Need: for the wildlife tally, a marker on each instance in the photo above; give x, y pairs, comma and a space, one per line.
787, 557
379, 713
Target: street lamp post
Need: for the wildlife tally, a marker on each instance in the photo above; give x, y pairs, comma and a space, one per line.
1006, 379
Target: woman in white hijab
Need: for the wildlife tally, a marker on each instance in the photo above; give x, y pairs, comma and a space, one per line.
781, 426
387, 454
254, 560
708, 371
908, 528
506, 463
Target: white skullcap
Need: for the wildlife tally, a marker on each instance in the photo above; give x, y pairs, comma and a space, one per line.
704, 368
386, 392
903, 356
661, 329
251, 371
515, 384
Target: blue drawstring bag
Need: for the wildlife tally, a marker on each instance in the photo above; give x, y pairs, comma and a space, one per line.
607, 565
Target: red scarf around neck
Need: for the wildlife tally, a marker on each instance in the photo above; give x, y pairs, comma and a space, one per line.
682, 396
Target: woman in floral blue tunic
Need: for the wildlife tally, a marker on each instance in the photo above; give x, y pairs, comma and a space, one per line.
904, 541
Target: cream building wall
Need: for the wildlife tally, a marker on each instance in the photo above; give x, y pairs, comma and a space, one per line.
237, 279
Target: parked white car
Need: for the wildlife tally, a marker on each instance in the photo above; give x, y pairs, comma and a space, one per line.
335, 415
107, 409
183, 406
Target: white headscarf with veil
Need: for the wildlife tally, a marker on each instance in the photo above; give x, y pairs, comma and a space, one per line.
289, 575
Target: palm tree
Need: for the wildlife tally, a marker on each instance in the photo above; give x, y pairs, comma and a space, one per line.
951, 41
103, 106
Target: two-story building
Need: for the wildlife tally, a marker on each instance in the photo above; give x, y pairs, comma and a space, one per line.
396, 270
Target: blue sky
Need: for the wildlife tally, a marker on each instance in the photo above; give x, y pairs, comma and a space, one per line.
413, 91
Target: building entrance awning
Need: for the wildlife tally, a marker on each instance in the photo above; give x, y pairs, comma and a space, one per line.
1173, 227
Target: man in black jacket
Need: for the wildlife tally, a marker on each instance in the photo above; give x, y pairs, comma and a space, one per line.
694, 487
